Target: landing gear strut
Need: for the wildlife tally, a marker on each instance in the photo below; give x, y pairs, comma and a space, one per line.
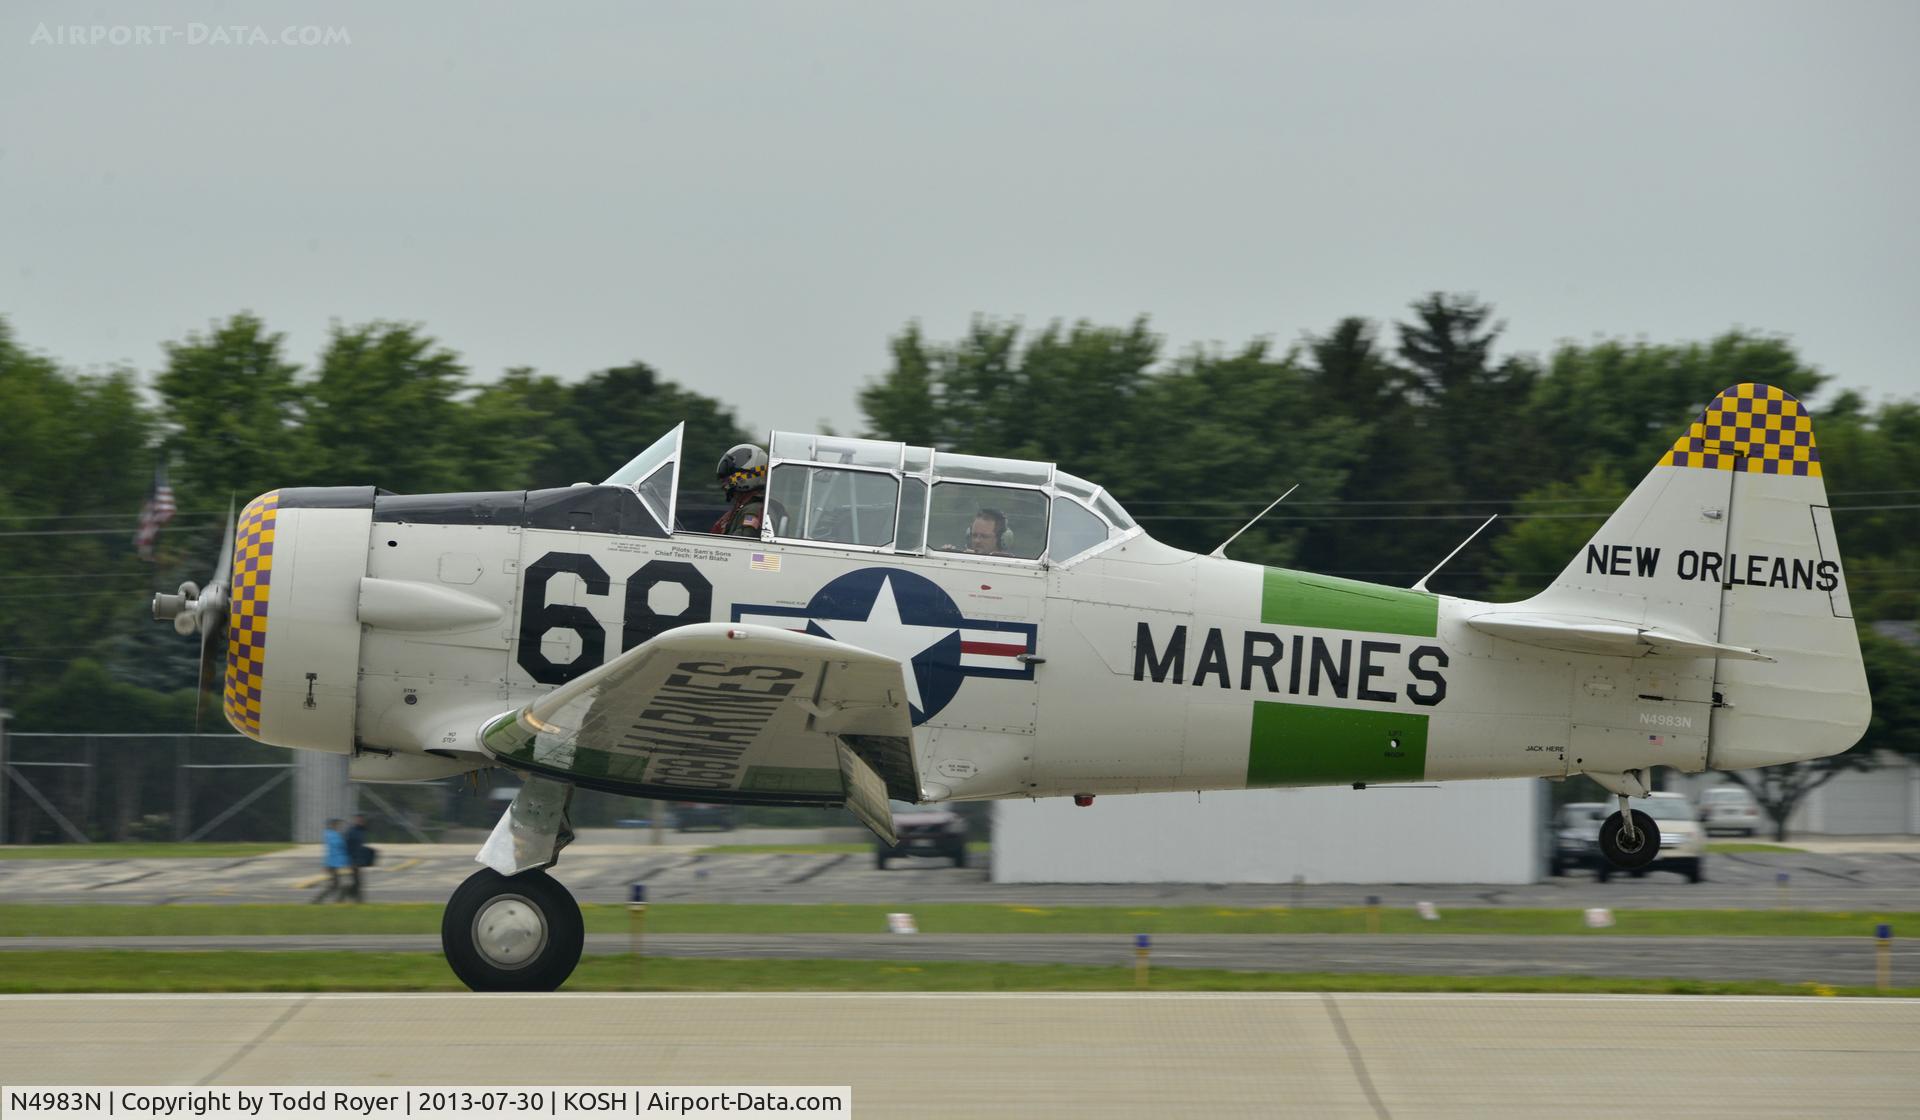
510, 927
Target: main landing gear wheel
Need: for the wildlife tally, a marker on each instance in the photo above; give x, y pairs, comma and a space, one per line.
519, 933
1630, 851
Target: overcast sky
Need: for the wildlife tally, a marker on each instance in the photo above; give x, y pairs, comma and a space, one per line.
753, 197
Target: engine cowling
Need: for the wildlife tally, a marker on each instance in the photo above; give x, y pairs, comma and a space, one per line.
293, 633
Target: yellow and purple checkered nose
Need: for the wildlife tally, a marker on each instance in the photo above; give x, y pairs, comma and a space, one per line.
247, 613
1750, 427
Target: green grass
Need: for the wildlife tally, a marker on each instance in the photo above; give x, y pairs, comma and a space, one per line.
31, 920
140, 851
119, 971
1734, 847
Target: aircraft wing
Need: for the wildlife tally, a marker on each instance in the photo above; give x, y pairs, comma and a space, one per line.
1605, 637
728, 713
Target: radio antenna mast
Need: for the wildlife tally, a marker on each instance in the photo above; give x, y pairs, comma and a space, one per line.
1422, 585
1222, 550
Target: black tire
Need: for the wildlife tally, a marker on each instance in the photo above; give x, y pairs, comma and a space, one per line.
536, 907
1644, 850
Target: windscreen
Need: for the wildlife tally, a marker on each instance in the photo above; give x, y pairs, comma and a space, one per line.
665, 449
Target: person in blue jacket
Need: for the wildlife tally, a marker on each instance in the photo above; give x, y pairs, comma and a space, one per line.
334, 857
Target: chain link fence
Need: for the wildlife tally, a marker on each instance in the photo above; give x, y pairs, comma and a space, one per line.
76, 787
94, 788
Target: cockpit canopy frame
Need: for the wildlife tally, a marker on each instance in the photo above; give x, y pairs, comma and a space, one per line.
886, 496
883, 496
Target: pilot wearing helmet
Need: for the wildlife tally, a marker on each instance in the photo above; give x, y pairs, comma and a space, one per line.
743, 481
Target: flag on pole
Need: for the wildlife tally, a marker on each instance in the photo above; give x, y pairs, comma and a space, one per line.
157, 511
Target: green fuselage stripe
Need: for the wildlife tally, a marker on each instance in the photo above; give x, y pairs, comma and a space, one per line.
1289, 598
1305, 744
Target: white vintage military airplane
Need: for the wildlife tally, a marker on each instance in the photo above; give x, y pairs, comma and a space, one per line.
855, 652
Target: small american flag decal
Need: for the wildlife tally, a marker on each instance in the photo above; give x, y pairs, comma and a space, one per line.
763, 562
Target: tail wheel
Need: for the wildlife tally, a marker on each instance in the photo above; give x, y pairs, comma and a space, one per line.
1630, 852
519, 933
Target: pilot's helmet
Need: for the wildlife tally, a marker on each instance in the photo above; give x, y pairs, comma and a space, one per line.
742, 468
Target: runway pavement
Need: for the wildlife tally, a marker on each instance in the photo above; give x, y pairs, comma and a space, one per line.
1824, 960
929, 1056
1837, 880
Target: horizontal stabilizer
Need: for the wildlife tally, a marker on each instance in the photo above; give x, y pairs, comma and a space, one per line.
1608, 639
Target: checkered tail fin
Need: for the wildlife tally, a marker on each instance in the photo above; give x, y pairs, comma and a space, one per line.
1730, 540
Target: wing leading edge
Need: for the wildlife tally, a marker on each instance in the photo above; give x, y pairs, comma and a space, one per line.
728, 713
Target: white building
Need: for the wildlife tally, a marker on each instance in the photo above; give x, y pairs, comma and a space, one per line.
1457, 832
1882, 801
1877, 802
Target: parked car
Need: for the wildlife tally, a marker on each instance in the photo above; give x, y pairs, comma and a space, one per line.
1729, 809
924, 830
1576, 836
690, 815
1683, 842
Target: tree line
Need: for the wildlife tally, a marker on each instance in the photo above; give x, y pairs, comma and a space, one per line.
1403, 435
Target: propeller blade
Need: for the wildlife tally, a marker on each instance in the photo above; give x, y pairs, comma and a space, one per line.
209, 649
211, 614
212, 640
211, 611
224, 568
